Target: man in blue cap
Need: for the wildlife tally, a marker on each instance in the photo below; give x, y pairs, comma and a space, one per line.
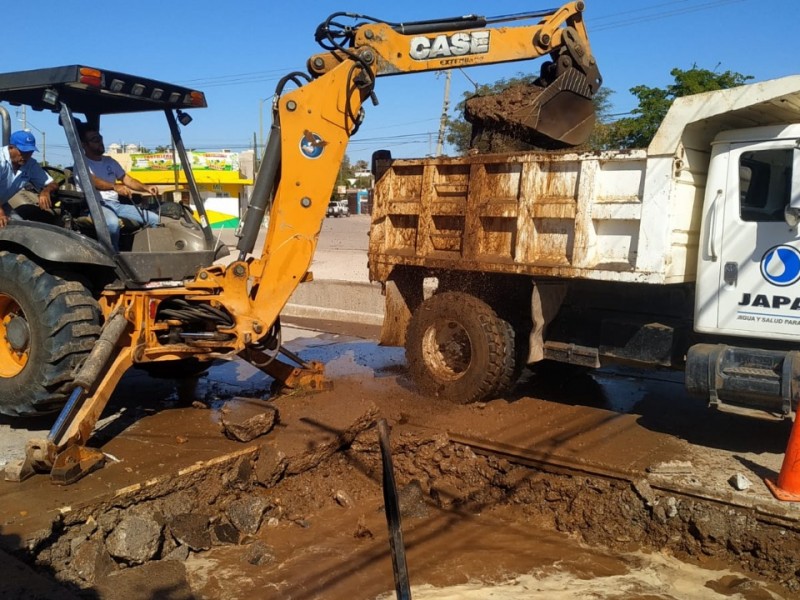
19, 172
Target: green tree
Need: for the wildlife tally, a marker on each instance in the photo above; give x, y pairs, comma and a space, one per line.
638, 130
602, 109
345, 172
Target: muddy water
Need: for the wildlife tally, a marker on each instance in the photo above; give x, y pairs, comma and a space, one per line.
343, 554
321, 548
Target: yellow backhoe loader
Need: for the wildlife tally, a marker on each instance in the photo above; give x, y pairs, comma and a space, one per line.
75, 313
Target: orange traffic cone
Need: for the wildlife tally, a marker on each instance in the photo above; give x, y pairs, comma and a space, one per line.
787, 488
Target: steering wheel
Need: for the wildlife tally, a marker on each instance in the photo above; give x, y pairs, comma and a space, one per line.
71, 200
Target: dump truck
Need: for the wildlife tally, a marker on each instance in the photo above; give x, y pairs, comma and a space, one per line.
76, 312
683, 255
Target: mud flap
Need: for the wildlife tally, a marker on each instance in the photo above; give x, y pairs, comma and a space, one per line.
397, 315
546, 300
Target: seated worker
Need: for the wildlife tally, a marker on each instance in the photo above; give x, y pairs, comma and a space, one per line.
112, 181
19, 174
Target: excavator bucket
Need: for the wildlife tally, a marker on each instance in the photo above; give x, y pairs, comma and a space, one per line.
555, 111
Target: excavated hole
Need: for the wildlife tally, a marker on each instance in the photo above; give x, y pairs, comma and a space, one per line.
239, 504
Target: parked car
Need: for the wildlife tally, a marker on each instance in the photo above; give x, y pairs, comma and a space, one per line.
338, 208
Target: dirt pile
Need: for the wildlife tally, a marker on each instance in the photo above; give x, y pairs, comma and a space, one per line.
494, 129
531, 116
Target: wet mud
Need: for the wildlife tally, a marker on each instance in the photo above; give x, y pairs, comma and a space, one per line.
298, 512
281, 527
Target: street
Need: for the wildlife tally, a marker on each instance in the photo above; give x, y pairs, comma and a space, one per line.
597, 453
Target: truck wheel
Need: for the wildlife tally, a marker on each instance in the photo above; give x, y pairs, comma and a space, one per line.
47, 326
512, 363
457, 348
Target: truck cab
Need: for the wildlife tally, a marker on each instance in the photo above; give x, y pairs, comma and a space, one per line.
748, 282
749, 266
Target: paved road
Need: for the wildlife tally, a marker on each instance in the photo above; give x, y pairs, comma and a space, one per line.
341, 250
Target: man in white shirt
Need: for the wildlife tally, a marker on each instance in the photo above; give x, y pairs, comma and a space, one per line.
18, 169
112, 181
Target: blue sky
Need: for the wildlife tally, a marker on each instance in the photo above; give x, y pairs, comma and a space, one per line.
236, 51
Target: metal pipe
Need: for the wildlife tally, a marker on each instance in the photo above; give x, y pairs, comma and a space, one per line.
66, 415
291, 355
467, 22
101, 352
6, 131
86, 377
391, 505
194, 191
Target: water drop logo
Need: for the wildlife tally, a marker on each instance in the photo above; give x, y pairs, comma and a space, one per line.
780, 265
312, 145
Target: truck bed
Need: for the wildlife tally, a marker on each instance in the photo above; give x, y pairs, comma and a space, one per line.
561, 215
629, 216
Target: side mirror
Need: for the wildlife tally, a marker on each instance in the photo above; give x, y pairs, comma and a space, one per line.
792, 216
791, 213
794, 201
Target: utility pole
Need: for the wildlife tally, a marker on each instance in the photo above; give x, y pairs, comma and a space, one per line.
445, 108
260, 153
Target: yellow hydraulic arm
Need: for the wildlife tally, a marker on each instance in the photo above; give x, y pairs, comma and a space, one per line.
313, 123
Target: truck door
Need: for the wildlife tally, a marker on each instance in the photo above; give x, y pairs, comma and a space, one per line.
759, 276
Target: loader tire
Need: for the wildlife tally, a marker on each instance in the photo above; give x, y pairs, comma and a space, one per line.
47, 326
457, 348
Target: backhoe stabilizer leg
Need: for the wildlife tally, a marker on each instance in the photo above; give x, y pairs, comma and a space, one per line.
64, 454
308, 376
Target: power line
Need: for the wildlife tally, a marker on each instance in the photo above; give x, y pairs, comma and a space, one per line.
664, 15
611, 22
627, 13
250, 75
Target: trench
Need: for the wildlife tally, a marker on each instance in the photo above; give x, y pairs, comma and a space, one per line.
256, 524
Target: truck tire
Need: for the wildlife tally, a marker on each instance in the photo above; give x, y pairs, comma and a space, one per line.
512, 364
457, 348
47, 326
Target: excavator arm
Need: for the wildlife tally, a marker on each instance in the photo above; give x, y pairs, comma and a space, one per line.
557, 111
313, 123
